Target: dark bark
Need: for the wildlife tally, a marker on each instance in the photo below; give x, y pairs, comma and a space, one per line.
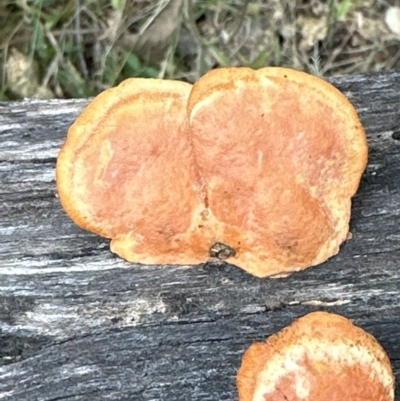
78, 323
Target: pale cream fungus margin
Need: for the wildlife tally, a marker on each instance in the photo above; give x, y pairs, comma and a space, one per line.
254, 167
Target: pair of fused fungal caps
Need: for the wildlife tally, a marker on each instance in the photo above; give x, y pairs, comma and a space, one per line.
257, 167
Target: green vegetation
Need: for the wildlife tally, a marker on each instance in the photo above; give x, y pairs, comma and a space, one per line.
77, 48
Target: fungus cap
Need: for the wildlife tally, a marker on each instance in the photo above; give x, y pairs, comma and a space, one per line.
126, 171
321, 356
281, 153
255, 167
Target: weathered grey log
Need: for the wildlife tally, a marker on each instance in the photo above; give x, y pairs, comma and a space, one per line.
78, 323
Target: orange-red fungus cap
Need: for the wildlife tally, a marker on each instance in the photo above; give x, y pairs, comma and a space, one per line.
320, 357
255, 167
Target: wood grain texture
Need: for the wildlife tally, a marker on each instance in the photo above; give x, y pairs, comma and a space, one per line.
77, 323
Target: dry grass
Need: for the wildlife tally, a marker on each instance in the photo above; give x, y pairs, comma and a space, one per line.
76, 48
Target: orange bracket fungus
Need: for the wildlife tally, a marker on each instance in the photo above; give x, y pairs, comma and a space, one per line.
255, 167
320, 357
